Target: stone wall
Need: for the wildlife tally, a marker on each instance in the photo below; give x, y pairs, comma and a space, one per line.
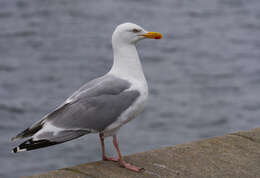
234, 155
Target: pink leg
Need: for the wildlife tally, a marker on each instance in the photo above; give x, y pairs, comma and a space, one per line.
120, 158
104, 157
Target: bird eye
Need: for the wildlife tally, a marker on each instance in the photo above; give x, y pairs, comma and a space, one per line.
136, 30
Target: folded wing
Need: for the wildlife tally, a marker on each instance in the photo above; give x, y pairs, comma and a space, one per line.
92, 108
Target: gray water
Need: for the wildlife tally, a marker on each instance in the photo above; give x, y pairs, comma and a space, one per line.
204, 76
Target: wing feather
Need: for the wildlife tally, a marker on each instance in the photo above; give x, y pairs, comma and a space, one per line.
93, 107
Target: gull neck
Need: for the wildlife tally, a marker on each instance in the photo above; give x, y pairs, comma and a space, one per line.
126, 62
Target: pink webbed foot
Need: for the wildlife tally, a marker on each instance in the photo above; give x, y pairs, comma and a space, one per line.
123, 164
119, 158
130, 166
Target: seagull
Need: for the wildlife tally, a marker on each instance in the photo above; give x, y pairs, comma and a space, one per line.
103, 105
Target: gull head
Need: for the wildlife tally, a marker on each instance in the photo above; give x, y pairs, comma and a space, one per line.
129, 33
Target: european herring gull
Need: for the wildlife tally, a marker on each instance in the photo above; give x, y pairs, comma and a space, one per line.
102, 105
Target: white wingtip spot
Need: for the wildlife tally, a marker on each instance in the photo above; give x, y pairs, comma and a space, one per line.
17, 149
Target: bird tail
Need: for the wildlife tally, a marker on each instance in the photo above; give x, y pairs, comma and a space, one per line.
30, 144
62, 137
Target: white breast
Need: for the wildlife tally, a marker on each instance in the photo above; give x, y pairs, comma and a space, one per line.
136, 108
127, 66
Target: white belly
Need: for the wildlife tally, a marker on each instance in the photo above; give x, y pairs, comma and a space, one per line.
129, 114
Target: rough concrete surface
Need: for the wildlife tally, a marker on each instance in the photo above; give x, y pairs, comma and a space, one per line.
234, 155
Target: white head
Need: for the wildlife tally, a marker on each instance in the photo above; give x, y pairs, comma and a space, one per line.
129, 33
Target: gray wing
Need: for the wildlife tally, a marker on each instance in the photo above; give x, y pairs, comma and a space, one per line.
93, 107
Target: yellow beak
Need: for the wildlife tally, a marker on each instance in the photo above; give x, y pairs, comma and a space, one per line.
154, 35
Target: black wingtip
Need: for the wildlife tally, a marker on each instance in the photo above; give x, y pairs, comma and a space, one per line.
31, 145
18, 149
14, 150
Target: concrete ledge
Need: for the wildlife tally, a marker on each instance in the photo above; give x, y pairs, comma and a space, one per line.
232, 155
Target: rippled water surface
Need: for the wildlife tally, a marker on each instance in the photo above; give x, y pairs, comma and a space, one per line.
204, 76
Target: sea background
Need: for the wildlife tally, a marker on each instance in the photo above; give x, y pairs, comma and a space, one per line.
204, 75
